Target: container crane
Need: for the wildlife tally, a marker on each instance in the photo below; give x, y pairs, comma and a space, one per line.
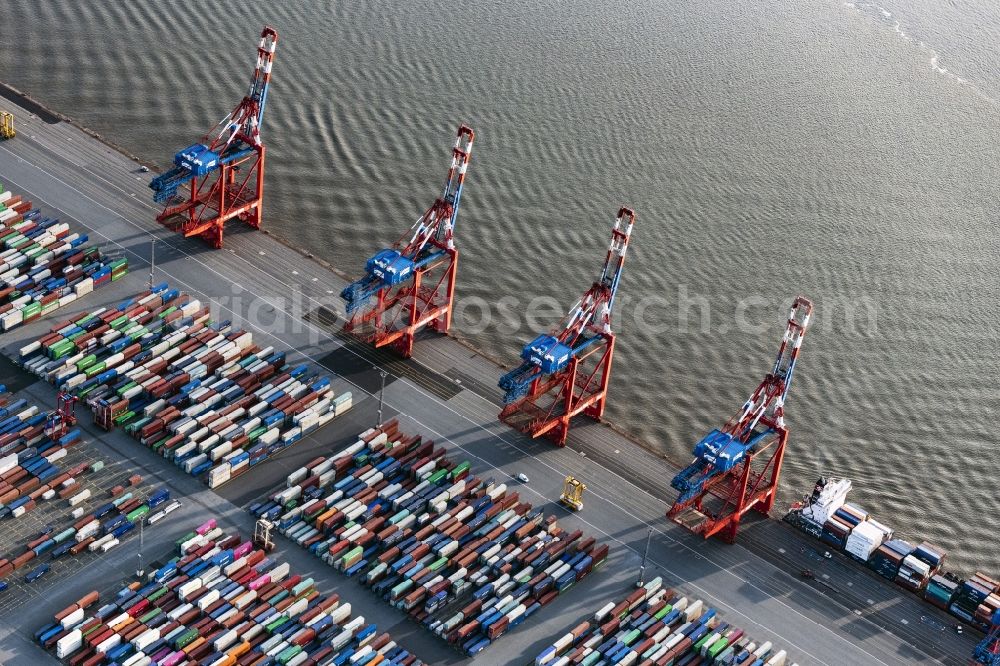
566, 372
987, 652
738, 467
412, 284
226, 169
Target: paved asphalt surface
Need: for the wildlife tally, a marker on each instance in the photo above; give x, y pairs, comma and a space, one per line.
847, 615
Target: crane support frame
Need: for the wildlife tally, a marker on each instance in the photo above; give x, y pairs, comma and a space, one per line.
566, 373
410, 287
224, 173
738, 468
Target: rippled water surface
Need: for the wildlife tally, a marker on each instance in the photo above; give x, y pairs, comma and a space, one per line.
847, 151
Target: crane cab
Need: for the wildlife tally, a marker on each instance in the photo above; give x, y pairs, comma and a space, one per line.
547, 353
198, 159
391, 267
572, 494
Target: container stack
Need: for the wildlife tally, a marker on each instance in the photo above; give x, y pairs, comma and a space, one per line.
12, 207
29, 458
887, 559
463, 556
979, 593
941, 589
865, 538
654, 625
43, 266
200, 393
100, 530
219, 602
827, 497
920, 569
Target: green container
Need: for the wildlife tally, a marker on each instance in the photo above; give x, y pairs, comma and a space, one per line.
718, 647
137, 513
99, 627
288, 654
124, 418
187, 637
96, 369
86, 362
125, 388
353, 553
150, 615
61, 348
400, 589
438, 475
462, 467
65, 534
274, 624
135, 426
701, 643
186, 537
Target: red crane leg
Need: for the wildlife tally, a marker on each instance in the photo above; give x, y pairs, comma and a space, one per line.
219, 197
400, 313
551, 405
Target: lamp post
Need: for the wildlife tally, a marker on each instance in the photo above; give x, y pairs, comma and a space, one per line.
139, 571
381, 393
152, 260
645, 554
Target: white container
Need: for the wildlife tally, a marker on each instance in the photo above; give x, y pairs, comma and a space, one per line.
778, 659
219, 475
81, 496
69, 644
73, 618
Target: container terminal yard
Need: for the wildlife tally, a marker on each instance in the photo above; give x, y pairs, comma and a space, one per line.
445, 393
